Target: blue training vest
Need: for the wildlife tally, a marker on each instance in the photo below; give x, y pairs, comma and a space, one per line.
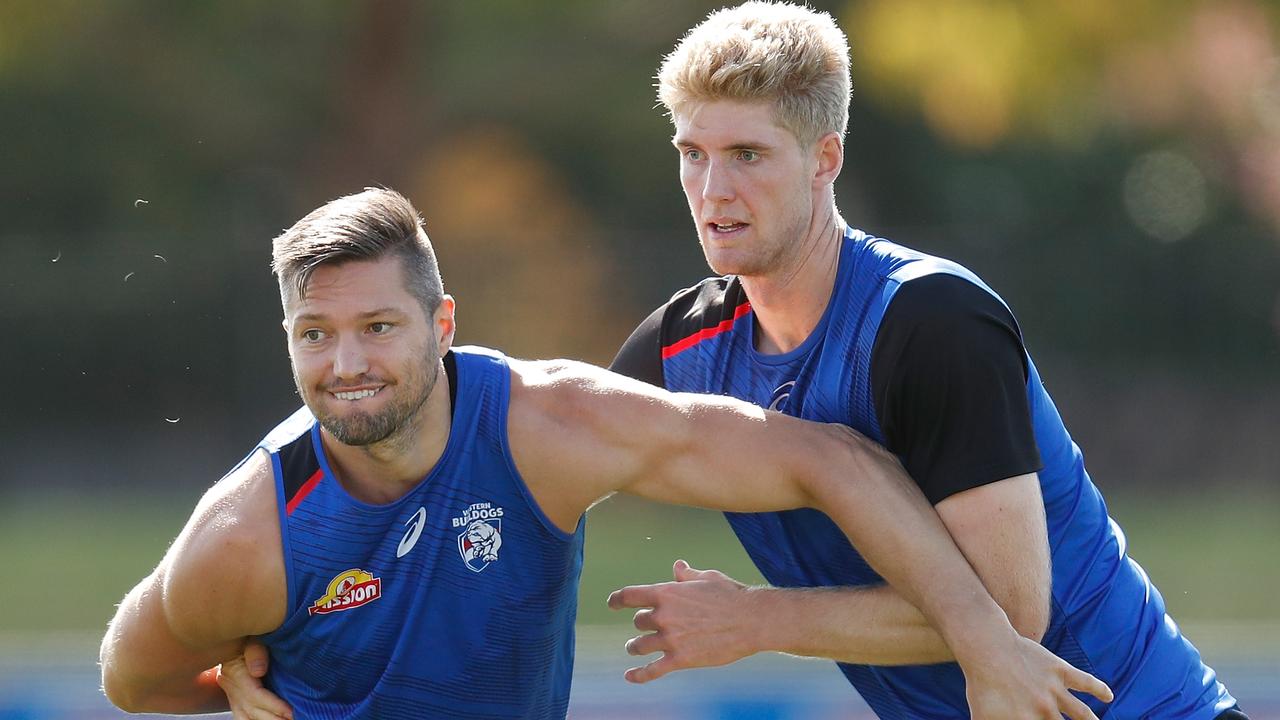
455, 601
1107, 618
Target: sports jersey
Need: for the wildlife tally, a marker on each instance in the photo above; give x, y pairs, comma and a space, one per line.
1106, 616
455, 601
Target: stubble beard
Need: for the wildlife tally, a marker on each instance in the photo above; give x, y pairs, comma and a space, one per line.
393, 424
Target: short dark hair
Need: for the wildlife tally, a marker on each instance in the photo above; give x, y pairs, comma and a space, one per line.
364, 226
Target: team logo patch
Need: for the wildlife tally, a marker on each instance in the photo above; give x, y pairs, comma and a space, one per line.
481, 537
347, 591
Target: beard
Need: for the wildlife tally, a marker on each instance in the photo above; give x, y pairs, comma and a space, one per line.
396, 420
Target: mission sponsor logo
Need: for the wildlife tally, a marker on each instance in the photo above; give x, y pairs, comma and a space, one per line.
347, 591
481, 537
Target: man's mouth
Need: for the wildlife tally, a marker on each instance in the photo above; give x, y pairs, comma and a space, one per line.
726, 227
355, 394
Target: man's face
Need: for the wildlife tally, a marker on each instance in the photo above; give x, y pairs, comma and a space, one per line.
365, 356
749, 184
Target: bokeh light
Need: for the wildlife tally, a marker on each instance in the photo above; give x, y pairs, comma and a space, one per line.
1166, 195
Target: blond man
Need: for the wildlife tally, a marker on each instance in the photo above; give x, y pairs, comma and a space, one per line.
819, 320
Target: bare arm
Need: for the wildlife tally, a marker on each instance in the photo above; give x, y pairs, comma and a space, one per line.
579, 433
1000, 529
220, 581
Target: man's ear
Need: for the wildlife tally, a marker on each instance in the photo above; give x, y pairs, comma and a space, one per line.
829, 152
284, 325
443, 324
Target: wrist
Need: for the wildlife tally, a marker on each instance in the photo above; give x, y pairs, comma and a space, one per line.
760, 630
979, 637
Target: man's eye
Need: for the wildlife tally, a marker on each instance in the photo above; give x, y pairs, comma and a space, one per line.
379, 328
749, 155
313, 335
694, 155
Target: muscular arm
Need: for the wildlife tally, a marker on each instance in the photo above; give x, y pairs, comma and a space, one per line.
220, 581
878, 626
579, 433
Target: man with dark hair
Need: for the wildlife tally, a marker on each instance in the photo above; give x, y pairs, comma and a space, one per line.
408, 544
825, 322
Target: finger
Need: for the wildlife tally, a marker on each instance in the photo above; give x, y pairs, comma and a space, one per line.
269, 702
645, 644
644, 620
254, 713
636, 596
683, 571
652, 671
1078, 679
1072, 707
256, 658
231, 673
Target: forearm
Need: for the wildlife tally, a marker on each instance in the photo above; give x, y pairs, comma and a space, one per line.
866, 626
903, 539
190, 695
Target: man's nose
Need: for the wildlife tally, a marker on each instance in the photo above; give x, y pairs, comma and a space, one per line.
717, 186
350, 360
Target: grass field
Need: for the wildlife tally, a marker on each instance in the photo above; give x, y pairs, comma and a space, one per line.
70, 558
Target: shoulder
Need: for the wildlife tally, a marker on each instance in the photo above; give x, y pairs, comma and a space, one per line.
576, 432
225, 572
945, 305
688, 313
702, 306
942, 295
575, 393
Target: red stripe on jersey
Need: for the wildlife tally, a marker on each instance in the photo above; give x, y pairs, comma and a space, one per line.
303, 491
680, 346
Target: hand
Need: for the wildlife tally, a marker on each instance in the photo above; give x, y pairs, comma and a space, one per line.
702, 619
1032, 684
241, 680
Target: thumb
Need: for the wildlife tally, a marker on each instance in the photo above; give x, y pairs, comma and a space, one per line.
683, 571
255, 658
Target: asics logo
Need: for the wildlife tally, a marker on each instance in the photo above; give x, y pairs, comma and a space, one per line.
413, 533
780, 396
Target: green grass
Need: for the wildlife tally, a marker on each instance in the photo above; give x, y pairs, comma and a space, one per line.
632, 541
1214, 555
69, 559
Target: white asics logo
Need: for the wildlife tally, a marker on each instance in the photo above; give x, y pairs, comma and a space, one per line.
411, 535
781, 394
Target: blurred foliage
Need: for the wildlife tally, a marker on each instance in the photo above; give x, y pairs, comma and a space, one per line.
1113, 169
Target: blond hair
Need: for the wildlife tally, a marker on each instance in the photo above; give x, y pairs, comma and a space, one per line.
794, 57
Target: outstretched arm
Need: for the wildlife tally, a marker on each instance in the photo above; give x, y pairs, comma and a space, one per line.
579, 433
218, 583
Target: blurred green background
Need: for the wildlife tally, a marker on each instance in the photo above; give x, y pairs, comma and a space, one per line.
1113, 169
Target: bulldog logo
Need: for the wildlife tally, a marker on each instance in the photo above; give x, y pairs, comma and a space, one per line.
480, 542
481, 535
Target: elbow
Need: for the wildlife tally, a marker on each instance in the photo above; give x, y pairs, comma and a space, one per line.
1029, 618
123, 691
119, 693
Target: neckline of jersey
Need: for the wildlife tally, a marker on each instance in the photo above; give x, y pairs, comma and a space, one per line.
819, 330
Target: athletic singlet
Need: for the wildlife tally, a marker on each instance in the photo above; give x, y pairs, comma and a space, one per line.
1107, 618
455, 601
